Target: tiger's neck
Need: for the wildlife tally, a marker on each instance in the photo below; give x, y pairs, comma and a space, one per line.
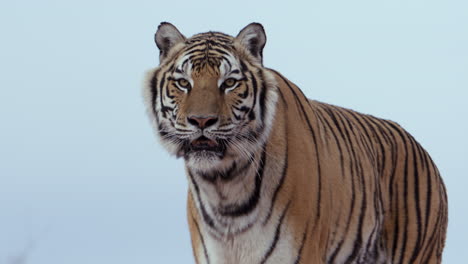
227, 200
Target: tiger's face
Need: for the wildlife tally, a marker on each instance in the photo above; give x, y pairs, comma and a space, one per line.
210, 97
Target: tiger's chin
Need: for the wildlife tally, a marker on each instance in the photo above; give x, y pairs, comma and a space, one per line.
203, 154
203, 160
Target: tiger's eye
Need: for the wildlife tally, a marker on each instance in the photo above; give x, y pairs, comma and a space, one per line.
230, 82
183, 83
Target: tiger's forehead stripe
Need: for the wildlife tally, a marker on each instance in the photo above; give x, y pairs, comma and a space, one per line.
208, 49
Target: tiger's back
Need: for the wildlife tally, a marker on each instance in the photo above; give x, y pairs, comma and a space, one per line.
299, 181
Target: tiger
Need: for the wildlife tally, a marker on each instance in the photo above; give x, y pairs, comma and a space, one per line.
274, 177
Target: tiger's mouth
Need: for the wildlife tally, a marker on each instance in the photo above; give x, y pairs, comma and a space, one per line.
203, 145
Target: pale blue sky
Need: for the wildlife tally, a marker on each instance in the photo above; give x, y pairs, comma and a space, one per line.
82, 177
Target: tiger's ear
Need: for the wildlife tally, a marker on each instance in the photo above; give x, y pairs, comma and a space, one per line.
166, 37
253, 38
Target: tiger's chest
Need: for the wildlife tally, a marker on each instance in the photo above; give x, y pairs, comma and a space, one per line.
239, 219
258, 245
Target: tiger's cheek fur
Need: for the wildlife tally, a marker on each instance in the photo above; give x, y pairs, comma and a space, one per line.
162, 101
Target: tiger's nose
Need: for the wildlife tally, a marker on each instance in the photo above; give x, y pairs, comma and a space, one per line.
202, 121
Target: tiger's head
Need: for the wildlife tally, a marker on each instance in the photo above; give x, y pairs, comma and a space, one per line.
210, 99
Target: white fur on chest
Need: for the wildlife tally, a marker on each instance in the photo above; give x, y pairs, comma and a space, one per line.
253, 246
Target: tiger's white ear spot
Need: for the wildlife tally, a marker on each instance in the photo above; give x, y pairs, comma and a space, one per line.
166, 37
253, 38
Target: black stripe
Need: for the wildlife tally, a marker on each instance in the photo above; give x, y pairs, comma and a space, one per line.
207, 219
202, 240
184, 62
244, 109
227, 61
283, 99
319, 176
353, 173
262, 99
277, 235
222, 130
235, 116
380, 162
193, 50
304, 236
244, 67
182, 130
432, 240
417, 201
324, 120
255, 89
197, 59
358, 241
428, 196
348, 129
209, 177
225, 175
396, 228
229, 174
172, 96
161, 87
338, 143
371, 245
369, 138
405, 201
235, 210
394, 151
280, 184
213, 43
165, 109
220, 51
154, 93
